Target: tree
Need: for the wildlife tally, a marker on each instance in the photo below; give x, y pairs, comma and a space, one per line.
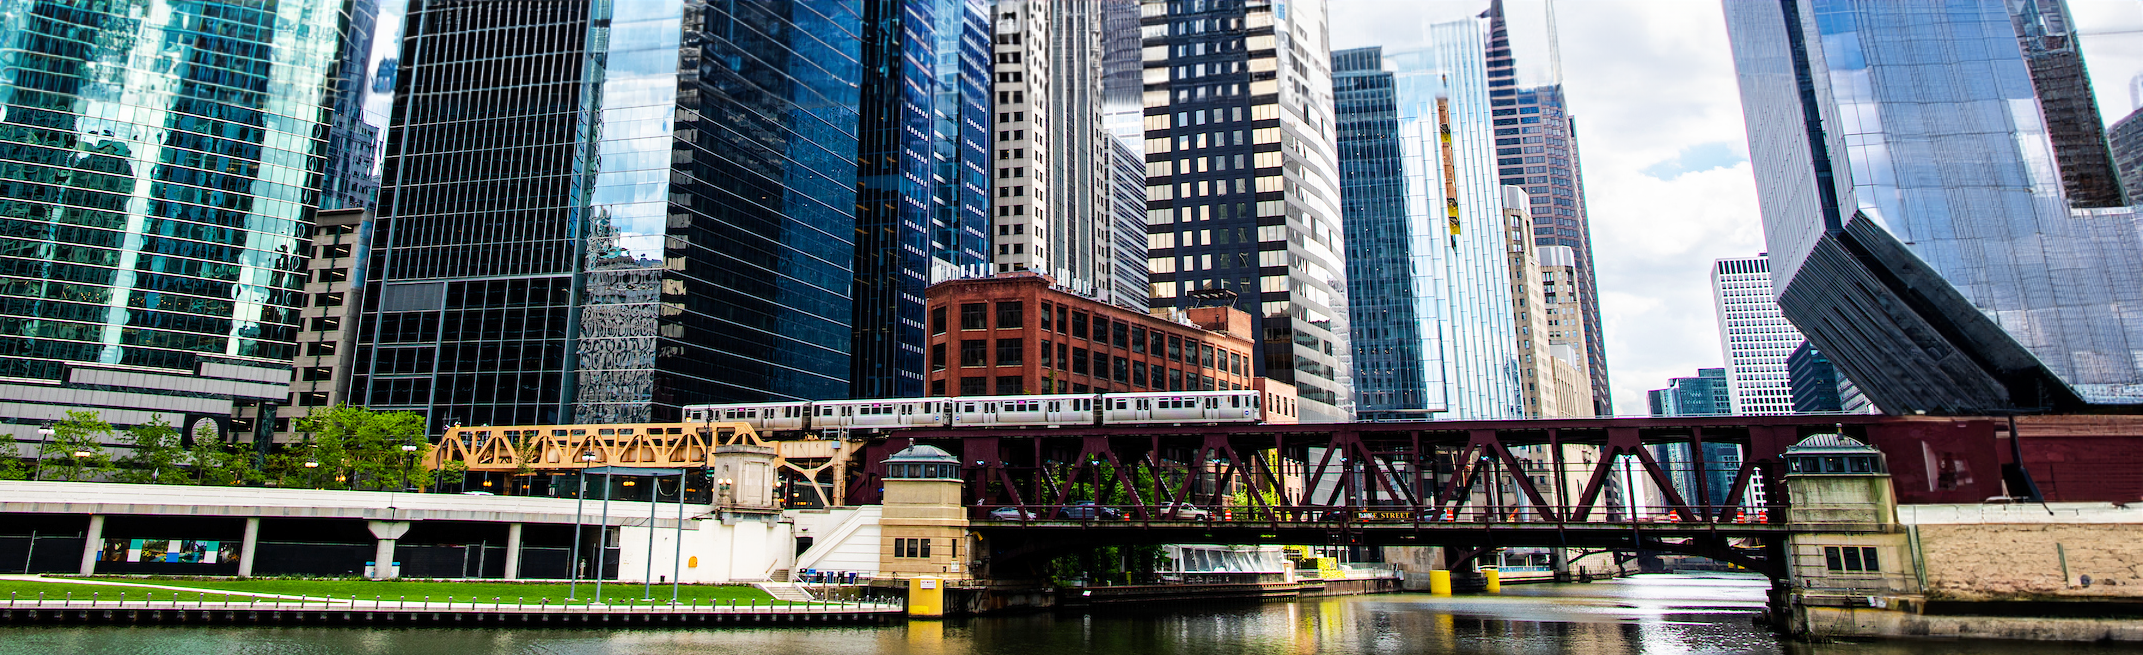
76, 449
360, 448
11, 466
221, 464
156, 456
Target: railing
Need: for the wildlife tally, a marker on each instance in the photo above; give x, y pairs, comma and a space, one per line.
1373, 515
496, 604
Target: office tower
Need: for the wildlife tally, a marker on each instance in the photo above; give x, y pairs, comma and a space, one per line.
1707, 394
1536, 148
599, 212
2047, 37
1123, 115
1917, 234
2126, 141
1561, 299
920, 103
1815, 381
1754, 337
328, 335
352, 141
1125, 259
162, 169
1434, 328
1555, 383
1242, 183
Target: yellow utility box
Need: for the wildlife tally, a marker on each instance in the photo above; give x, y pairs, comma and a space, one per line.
926, 597
1440, 582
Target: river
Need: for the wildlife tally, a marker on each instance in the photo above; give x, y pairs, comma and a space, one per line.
1644, 614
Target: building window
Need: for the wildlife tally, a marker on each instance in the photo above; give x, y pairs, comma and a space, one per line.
1138, 374
1120, 334
1048, 358
975, 316
1008, 385
937, 357
1063, 355
1851, 559
974, 386
1138, 341
937, 387
911, 547
326, 323
1010, 352
319, 373
1101, 364
1123, 370
937, 320
1175, 348
1011, 315
1205, 359
327, 299
1175, 380
1047, 324
320, 349
974, 352
1078, 361
1157, 344
1078, 325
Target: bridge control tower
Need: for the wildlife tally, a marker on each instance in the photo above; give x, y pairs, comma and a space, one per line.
1846, 548
924, 528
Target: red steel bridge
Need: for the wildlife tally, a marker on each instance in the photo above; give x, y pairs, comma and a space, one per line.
1479, 485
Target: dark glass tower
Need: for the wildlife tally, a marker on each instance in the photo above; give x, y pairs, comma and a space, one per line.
1536, 148
598, 211
159, 171
924, 102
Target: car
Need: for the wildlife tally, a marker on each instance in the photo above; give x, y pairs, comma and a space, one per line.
477, 493
1086, 510
1185, 512
1012, 514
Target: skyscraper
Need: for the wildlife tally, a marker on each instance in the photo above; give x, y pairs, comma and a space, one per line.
161, 170
599, 212
1435, 330
2126, 142
923, 114
1754, 337
1536, 148
1706, 394
2047, 36
1918, 233
1555, 387
1815, 381
1242, 183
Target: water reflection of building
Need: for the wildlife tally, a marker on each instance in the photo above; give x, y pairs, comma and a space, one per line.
572, 231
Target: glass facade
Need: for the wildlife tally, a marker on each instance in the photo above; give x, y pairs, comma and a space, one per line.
1433, 327
924, 96
160, 163
1915, 213
1754, 337
1536, 148
598, 212
1242, 184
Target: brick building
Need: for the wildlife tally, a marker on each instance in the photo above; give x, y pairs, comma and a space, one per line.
1016, 334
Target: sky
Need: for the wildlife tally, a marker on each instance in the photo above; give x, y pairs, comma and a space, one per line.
1663, 150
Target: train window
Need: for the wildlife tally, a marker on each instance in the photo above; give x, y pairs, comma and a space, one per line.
1120, 404
968, 407
847, 411
1055, 406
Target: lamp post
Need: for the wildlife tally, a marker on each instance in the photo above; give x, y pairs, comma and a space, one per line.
312, 474
44, 436
409, 453
602, 534
579, 501
80, 456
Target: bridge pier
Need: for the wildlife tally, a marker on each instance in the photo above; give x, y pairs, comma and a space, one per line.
383, 564
92, 543
245, 547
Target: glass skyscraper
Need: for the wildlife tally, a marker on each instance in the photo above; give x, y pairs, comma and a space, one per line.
160, 163
924, 105
1913, 204
1242, 183
598, 212
1433, 328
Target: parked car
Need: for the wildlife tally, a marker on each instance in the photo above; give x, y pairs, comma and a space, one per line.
1086, 510
1012, 514
1185, 512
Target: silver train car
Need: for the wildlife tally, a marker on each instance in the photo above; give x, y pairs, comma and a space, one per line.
1084, 410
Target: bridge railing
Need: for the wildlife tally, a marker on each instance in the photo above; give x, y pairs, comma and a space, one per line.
1239, 514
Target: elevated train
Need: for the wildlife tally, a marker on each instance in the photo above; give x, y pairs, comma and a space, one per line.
1085, 409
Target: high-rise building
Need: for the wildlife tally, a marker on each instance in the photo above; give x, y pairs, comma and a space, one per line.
1707, 394
162, 169
2047, 36
352, 139
1561, 297
1536, 148
1555, 382
1918, 235
328, 337
2126, 141
1243, 185
599, 212
925, 113
1815, 381
1754, 337
1433, 322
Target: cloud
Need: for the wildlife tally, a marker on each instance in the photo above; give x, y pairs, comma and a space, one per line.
1698, 158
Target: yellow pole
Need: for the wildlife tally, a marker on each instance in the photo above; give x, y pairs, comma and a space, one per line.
1440, 583
1495, 581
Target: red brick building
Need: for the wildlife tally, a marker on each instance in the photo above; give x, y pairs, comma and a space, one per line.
1014, 334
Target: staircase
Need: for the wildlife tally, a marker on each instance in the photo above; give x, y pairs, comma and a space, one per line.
788, 591
779, 575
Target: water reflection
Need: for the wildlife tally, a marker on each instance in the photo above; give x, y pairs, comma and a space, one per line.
1647, 614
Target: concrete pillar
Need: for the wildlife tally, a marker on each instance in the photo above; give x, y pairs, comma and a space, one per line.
513, 551
92, 544
386, 532
245, 548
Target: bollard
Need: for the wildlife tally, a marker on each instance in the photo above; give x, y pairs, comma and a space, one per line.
1495, 580
1440, 583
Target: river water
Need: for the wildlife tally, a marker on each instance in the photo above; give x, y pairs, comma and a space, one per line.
1644, 614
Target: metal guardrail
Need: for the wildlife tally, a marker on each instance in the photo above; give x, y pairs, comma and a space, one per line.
496, 604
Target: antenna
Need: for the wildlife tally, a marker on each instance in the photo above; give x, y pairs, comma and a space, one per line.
1555, 49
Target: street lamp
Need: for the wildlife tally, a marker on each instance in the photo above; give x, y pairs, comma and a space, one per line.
310, 467
409, 452
44, 436
579, 501
80, 457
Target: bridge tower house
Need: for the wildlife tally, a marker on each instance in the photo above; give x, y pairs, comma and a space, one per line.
923, 531
1847, 549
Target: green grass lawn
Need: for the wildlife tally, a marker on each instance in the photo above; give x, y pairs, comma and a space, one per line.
24, 590
462, 592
